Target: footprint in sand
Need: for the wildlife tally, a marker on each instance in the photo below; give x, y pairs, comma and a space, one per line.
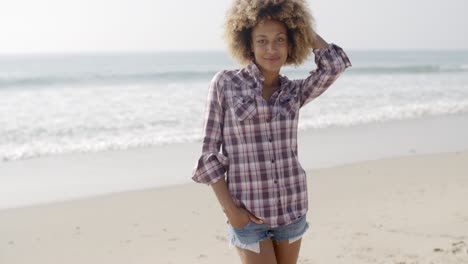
360, 234
304, 261
367, 249
412, 256
220, 238
77, 230
456, 248
459, 247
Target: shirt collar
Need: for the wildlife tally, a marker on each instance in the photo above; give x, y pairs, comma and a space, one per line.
253, 69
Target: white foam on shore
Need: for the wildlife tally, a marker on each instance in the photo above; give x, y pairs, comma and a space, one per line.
73, 176
47, 121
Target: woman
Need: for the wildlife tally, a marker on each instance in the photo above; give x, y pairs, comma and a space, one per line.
253, 114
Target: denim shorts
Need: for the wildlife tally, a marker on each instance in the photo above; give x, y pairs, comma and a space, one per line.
249, 236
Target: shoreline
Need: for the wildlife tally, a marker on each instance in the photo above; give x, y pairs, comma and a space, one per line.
74, 176
394, 210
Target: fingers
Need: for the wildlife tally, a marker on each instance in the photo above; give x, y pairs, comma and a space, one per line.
255, 219
252, 217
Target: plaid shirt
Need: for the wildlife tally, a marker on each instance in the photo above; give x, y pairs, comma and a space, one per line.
259, 138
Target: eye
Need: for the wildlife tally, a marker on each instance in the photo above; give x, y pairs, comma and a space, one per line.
281, 39
261, 41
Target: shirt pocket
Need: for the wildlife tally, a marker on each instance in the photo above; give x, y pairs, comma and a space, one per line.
288, 104
244, 107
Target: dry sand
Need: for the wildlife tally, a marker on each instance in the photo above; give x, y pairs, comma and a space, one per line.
405, 210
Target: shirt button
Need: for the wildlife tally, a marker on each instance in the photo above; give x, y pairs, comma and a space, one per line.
272, 161
269, 139
268, 119
275, 181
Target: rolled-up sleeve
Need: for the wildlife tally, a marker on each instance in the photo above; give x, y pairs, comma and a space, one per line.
212, 165
331, 62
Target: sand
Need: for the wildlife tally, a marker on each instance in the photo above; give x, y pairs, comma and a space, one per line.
409, 209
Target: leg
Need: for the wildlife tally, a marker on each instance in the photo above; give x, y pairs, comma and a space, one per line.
266, 256
287, 253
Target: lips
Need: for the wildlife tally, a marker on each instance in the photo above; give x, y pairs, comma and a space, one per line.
272, 59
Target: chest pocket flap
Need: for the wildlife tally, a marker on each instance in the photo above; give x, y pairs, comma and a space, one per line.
244, 106
288, 103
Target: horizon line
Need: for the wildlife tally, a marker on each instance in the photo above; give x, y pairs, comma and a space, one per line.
149, 51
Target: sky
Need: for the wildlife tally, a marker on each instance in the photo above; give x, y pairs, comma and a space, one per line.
62, 26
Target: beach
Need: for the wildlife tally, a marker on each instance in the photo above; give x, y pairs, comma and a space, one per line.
396, 210
392, 193
103, 121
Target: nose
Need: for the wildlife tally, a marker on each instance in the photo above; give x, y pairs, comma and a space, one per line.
271, 46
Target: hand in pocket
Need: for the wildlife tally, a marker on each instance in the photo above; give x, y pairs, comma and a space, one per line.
241, 218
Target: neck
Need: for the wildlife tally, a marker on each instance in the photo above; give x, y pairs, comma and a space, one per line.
271, 78
271, 81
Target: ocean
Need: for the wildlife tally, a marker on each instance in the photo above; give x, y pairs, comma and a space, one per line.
53, 104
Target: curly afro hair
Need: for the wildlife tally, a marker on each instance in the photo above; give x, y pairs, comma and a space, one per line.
243, 15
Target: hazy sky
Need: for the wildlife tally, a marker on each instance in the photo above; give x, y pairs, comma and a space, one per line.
140, 25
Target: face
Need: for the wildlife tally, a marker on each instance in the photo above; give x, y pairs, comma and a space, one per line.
270, 45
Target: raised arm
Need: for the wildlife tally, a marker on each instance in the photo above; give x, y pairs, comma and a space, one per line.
331, 61
319, 42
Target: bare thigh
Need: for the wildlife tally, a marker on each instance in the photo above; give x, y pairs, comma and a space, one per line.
287, 253
266, 256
